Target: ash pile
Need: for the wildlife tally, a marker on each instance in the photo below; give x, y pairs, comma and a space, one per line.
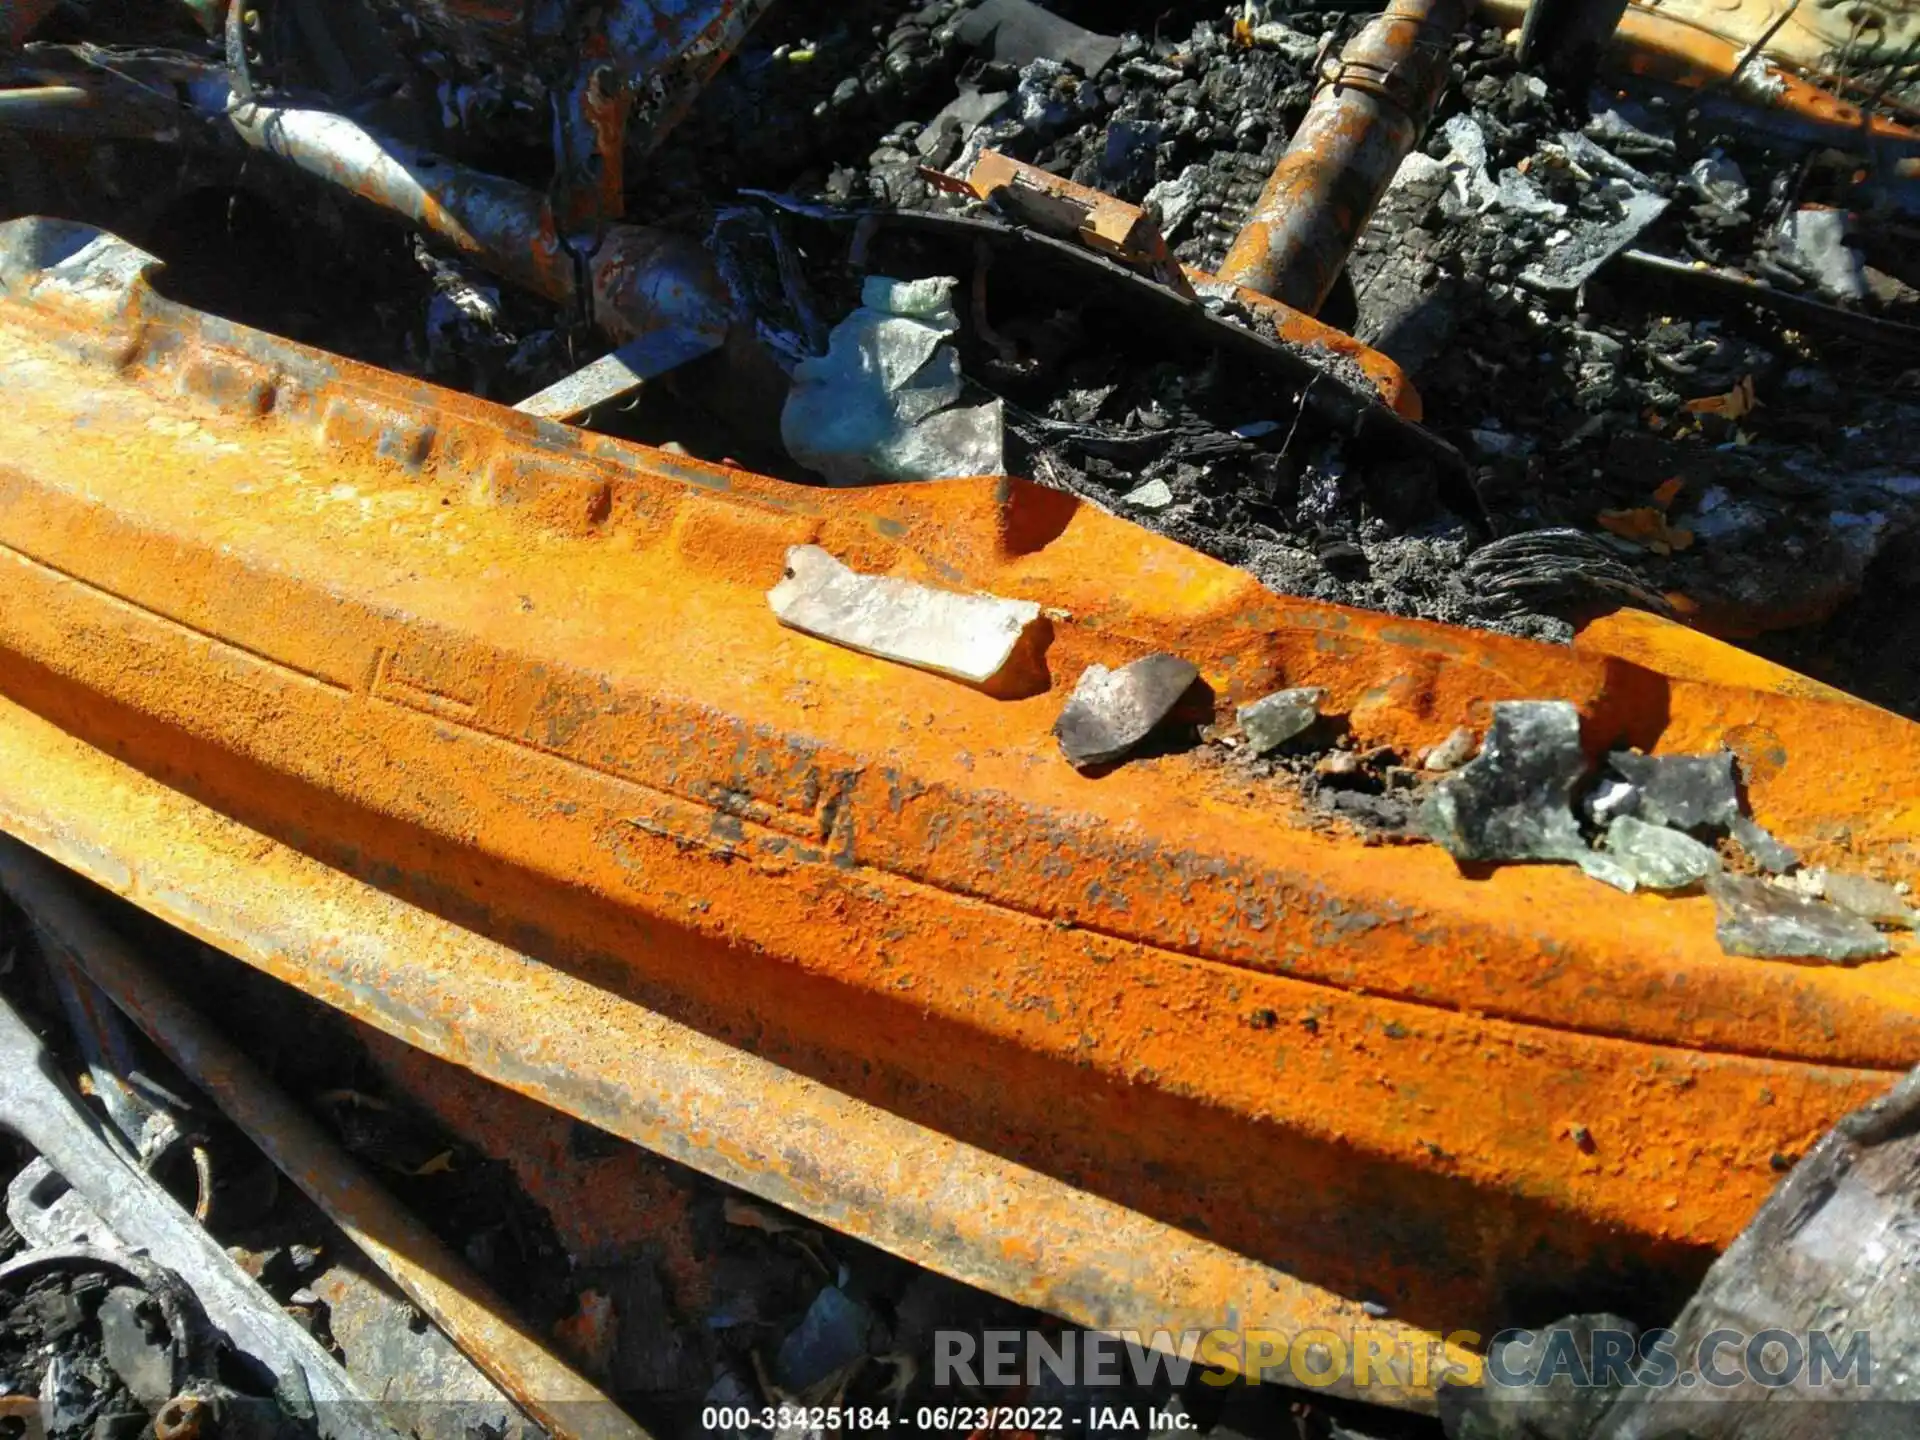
1631, 323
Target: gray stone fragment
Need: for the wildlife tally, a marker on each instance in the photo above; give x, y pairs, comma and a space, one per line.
141, 1355
1686, 792
1274, 719
1111, 711
975, 638
1768, 853
1754, 918
1514, 801
1154, 495
1659, 858
832, 1336
1609, 871
1870, 899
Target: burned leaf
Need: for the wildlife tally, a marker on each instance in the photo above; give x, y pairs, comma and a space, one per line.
1736, 404
1646, 526
1112, 711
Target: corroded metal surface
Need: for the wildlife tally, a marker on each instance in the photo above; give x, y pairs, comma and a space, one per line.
525, 681
591, 1053
1369, 111
1721, 49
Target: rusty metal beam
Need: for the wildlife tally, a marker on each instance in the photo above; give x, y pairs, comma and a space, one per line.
591, 1053
518, 689
1370, 110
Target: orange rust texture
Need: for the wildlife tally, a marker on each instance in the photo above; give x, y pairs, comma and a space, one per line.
1293, 326
1103, 222
526, 678
1365, 117
966, 1212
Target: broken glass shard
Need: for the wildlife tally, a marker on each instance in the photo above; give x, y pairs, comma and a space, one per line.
1686, 792
1609, 872
1754, 918
1111, 711
1513, 802
1870, 899
975, 638
1768, 853
1659, 858
1274, 719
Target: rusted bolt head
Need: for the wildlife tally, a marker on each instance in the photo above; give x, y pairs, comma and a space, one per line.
182, 1418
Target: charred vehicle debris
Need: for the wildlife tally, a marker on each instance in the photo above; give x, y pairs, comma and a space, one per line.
701, 697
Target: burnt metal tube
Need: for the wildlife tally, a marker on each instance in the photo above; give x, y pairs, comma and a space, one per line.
643, 281
1372, 105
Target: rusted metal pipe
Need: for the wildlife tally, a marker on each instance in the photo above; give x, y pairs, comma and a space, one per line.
431, 1276
1372, 105
643, 281
38, 1105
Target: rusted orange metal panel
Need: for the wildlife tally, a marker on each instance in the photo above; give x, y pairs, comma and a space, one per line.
525, 680
593, 1053
1690, 47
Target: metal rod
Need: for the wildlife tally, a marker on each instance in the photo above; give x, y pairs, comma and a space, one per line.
430, 1275
42, 1110
1368, 113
